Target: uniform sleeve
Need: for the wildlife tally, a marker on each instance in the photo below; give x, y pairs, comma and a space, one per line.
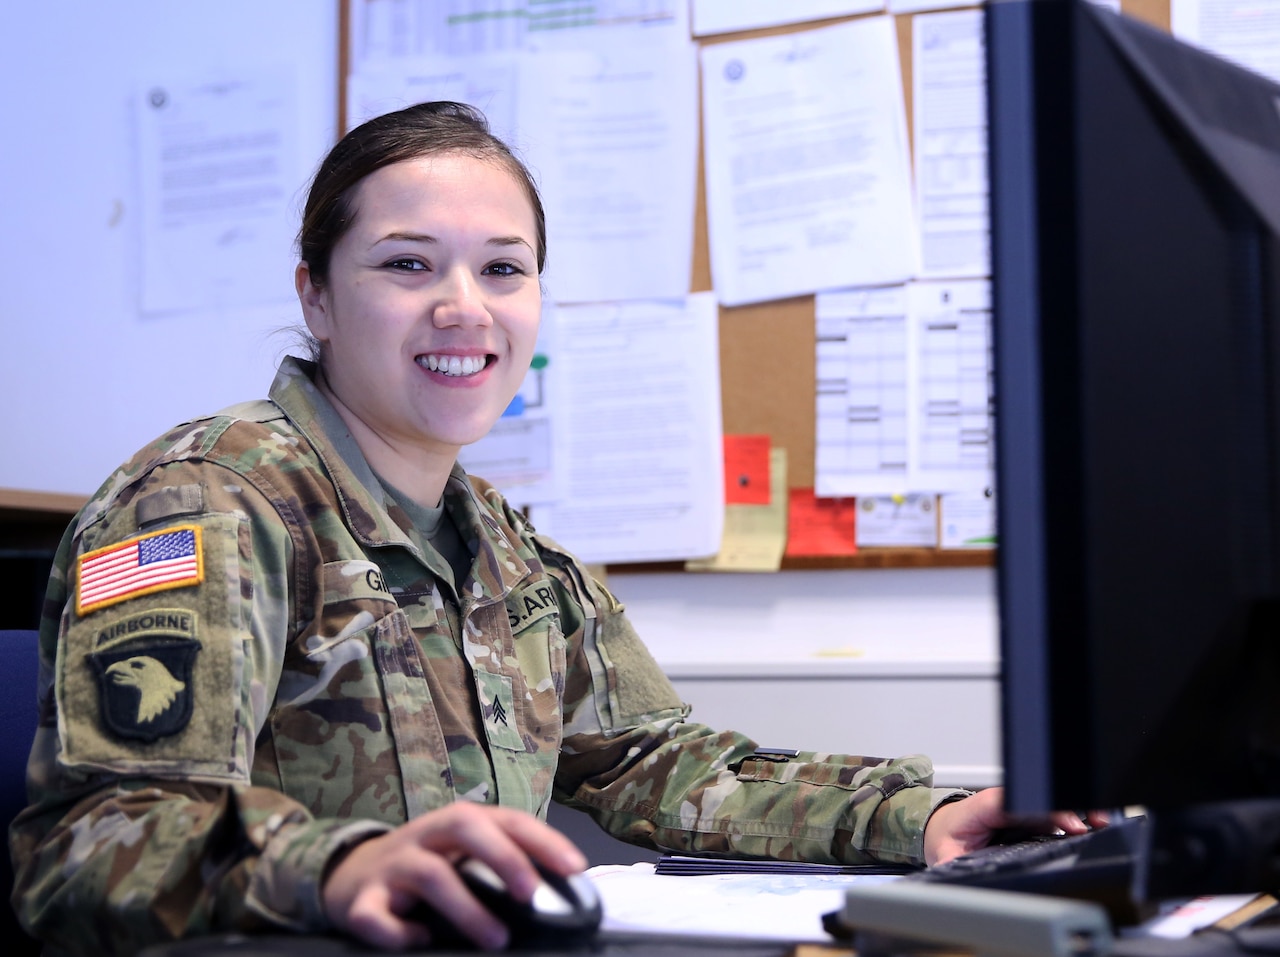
648, 775
164, 630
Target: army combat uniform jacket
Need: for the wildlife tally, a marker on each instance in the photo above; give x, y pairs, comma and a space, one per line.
251, 659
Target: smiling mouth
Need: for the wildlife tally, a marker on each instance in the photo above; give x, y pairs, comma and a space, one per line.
454, 365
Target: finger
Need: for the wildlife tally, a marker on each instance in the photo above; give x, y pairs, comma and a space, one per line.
507, 840
429, 897
1069, 821
374, 917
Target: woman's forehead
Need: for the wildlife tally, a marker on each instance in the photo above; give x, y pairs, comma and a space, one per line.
436, 182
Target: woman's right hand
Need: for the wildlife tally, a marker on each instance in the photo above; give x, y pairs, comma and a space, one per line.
371, 889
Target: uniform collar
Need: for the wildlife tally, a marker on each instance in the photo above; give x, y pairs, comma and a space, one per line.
367, 506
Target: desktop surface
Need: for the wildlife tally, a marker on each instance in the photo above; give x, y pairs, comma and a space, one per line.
607, 944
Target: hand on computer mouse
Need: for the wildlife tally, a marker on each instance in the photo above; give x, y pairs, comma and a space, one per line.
372, 891
563, 911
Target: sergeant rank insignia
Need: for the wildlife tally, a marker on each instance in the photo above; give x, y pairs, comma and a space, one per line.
144, 684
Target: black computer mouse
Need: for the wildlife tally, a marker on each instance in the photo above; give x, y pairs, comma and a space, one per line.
564, 912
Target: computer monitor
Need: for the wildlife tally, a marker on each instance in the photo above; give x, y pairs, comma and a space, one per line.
1135, 196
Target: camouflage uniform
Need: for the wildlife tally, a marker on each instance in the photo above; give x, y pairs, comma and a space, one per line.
301, 675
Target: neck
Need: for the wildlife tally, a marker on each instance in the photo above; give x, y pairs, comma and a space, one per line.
415, 471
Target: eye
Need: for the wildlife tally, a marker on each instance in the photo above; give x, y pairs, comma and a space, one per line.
504, 268
405, 264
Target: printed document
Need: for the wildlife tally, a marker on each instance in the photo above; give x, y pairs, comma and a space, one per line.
861, 432
904, 401
760, 906
217, 164
489, 83
729, 16
1244, 31
950, 117
387, 29
950, 372
518, 454
612, 136
643, 462
807, 167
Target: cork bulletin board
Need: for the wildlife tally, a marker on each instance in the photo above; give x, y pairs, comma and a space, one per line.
767, 349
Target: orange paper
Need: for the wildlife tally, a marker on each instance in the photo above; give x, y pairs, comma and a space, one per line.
746, 470
820, 526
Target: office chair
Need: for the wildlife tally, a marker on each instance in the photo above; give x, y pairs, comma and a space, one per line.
19, 665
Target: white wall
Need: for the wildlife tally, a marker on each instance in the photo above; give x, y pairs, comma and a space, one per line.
867, 661
85, 378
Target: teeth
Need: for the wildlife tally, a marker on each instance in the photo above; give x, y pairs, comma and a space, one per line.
453, 365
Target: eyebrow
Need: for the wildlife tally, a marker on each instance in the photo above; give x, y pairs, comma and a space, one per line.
424, 238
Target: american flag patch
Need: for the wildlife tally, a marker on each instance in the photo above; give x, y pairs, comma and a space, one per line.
170, 558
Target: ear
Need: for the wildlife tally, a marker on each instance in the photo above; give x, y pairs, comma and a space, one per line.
315, 302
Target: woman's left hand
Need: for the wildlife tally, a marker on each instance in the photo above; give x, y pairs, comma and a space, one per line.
964, 826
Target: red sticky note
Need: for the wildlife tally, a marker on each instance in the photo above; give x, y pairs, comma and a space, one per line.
746, 470
820, 526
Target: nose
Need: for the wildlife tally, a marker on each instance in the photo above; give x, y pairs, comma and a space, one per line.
460, 301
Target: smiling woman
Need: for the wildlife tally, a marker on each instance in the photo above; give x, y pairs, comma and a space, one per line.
365, 666
428, 313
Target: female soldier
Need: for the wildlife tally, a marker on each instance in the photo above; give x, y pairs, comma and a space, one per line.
296, 663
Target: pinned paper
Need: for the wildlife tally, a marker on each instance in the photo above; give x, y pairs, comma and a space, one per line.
746, 470
898, 520
968, 519
820, 526
754, 535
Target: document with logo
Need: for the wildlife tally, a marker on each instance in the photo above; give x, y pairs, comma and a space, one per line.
808, 170
218, 167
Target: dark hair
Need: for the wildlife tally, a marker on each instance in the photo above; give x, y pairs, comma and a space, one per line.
422, 130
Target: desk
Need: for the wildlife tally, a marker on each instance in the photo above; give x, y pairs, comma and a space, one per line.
610, 945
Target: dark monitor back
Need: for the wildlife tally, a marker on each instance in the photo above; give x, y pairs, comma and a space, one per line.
1136, 294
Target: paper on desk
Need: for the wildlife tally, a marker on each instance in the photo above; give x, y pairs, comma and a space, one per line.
772, 907
808, 172
1184, 918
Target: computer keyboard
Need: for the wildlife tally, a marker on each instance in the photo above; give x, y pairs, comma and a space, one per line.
1097, 866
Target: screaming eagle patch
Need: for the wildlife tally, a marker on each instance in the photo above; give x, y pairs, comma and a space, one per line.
143, 671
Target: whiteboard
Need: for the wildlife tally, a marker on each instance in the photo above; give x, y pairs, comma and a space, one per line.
86, 377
